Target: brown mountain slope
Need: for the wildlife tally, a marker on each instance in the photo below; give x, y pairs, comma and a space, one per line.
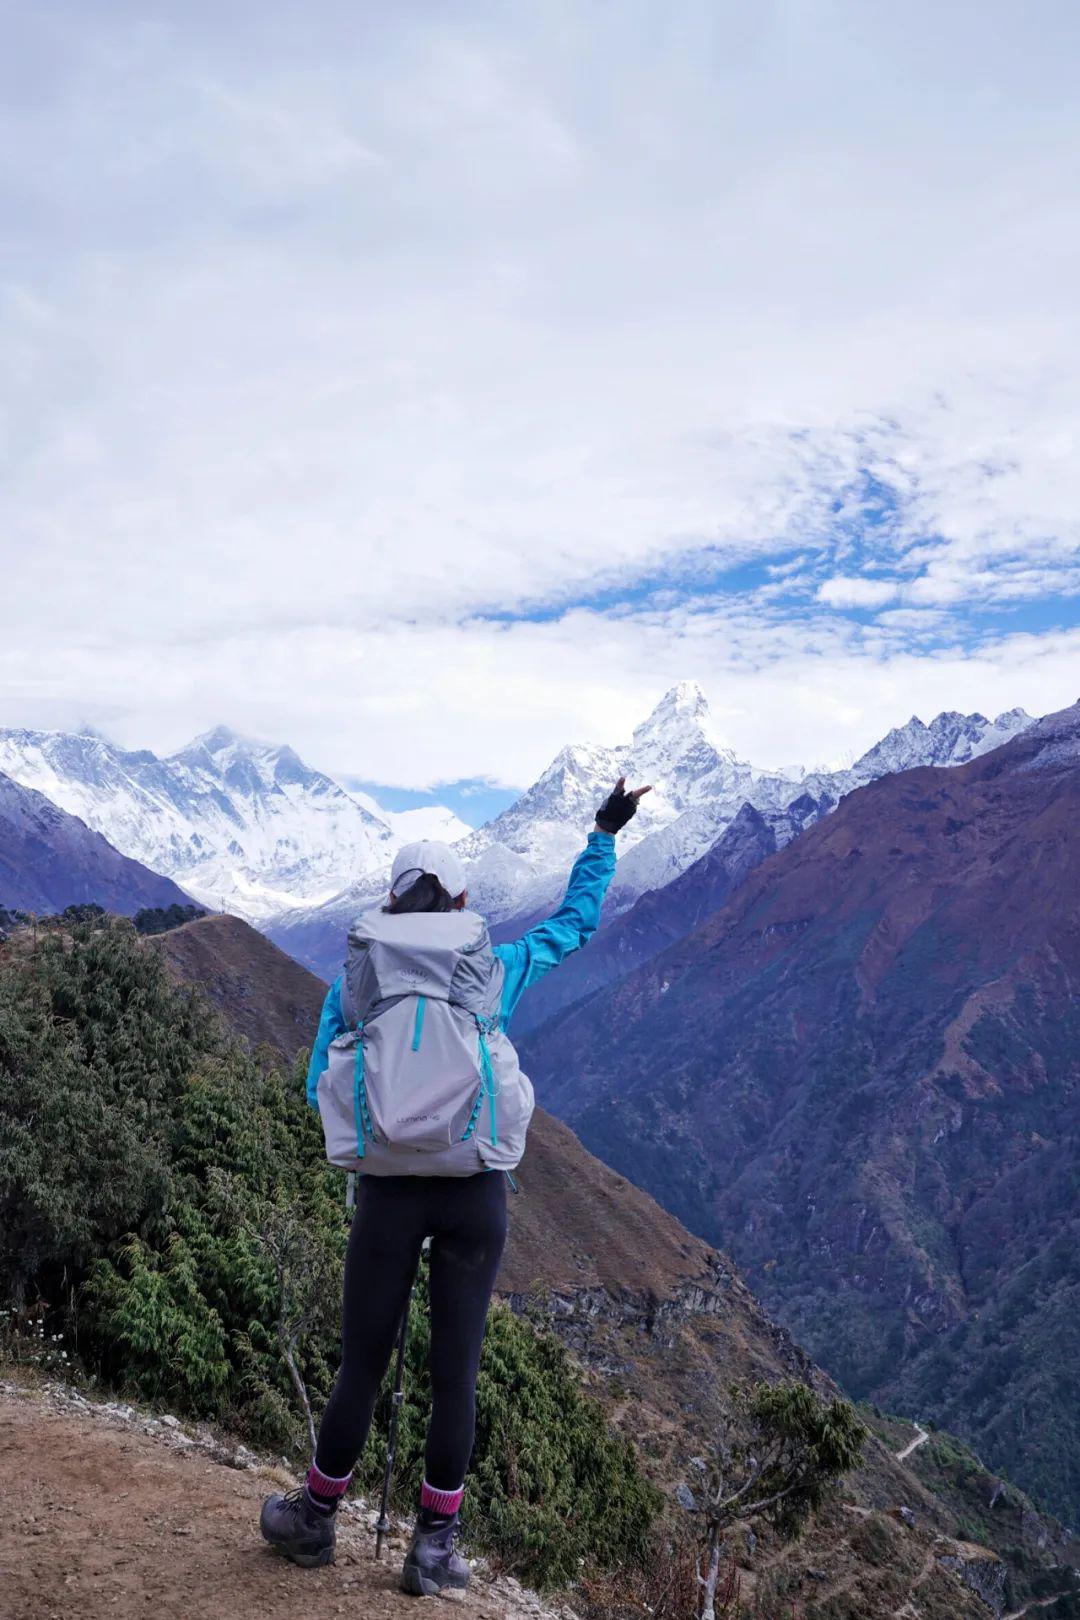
862, 1076
667, 1327
263, 993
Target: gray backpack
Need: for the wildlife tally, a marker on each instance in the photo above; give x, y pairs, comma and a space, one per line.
424, 1082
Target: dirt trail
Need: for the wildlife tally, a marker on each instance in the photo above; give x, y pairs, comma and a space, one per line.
921, 1437
99, 1520
1030, 1608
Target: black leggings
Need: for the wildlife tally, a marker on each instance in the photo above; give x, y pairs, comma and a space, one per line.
465, 1217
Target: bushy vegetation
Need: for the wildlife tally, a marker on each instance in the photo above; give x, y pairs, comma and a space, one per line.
83, 911
159, 919
150, 920
550, 1481
166, 1207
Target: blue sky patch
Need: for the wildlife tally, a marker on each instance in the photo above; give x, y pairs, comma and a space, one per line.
473, 799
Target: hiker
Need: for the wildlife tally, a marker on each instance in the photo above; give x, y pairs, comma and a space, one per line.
420, 1092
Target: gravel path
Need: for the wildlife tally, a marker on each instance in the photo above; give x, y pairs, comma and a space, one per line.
921, 1437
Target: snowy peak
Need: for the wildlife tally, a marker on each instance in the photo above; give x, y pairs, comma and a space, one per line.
949, 739
699, 786
218, 740
677, 734
684, 708
248, 766
1013, 721
242, 824
211, 750
1053, 743
544, 824
676, 750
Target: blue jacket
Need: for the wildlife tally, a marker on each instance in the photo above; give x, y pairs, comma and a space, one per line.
524, 961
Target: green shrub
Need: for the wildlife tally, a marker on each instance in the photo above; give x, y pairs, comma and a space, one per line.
160, 919
94, 1044
165, 1190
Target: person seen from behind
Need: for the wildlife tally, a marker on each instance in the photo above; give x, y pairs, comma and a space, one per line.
420, 1092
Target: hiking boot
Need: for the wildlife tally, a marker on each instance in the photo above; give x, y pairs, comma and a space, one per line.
432, 1567
296, 1528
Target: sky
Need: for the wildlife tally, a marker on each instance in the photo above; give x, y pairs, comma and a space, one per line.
430, 385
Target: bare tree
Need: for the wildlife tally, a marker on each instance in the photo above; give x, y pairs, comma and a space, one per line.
303, 1274
302, 1282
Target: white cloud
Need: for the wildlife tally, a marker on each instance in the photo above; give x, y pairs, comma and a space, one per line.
856, 592
328, 335
499, 700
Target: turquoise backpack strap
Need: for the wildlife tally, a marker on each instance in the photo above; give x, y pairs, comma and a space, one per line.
488, 1086
360, 1107
418, 1026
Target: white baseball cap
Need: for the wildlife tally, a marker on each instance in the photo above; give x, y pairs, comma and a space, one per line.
413, 860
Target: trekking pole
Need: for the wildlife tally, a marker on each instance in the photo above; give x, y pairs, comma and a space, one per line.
382, 1524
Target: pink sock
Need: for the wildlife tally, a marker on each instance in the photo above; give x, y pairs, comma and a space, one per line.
445, 1503
323, 1489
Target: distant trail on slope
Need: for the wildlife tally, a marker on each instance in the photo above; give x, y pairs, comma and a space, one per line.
1036, 1603
921, 1437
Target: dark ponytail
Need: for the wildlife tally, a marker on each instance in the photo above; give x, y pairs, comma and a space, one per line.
426, 894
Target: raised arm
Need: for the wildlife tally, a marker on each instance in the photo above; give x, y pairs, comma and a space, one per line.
543, 947
331, 1025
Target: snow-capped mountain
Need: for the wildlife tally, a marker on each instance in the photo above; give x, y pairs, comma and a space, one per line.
698, 784
949, 740
252, 828
239, 824
425, 821
518, 862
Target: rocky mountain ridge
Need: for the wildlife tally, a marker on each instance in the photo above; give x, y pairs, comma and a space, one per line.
517, 863
860, 1075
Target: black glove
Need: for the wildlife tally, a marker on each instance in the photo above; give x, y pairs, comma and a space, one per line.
616, 811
